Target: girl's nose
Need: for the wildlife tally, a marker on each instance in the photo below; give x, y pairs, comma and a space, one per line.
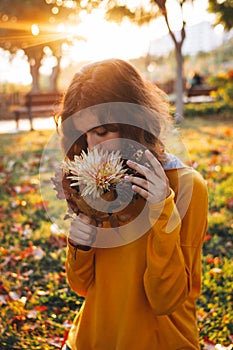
91, 141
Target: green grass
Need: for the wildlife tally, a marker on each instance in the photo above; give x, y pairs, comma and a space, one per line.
37, 306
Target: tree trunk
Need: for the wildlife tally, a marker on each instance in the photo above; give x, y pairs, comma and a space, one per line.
53, 79
34, 70
179, 87
35, 55
179, 58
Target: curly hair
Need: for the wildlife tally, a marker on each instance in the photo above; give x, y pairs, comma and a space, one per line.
107, 83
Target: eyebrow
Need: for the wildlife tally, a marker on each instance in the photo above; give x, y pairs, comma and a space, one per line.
96, 127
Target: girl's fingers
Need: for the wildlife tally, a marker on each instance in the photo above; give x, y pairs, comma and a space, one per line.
85, 219
151, 176
155, 163
141, 191
141, 169
138, 167
143, 187
83, 239
78, 225
82, 231
137, 181
154, 187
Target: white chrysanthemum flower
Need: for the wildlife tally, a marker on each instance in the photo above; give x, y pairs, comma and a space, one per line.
65, 165
95, 171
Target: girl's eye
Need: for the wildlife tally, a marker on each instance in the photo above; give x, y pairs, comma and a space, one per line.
101, 131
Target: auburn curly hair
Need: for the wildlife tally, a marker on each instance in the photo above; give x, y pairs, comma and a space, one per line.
128, 103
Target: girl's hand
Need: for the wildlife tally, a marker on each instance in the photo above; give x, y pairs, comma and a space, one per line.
155, 188
83, 231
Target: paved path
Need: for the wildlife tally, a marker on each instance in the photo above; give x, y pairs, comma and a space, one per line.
9, 126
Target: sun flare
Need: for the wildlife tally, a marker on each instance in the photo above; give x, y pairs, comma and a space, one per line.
92, 38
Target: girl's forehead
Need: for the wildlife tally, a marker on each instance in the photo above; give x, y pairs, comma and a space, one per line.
85, 121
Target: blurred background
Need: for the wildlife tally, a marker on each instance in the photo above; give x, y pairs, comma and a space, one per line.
44, 42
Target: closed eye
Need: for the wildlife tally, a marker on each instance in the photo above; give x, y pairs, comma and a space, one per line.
102, 133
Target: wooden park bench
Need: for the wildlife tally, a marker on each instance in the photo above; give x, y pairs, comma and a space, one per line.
37, 104
200, 90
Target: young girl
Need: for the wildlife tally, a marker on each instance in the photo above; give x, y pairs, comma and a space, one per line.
139, 295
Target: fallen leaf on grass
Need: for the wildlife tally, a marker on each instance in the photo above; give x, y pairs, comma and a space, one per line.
38, 253
3, 299
215, 270
34, 251
230, 203
212, 346
32, 314
56, 341
57, 241
42, 292
14, 295
6, 261
23, 189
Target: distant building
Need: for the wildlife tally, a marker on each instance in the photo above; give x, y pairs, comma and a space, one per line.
199, 37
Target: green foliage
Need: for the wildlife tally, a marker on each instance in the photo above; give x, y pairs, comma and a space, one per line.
206, 63
209, 109
140, 15
224, 12
37, 306
224, 84
223, 99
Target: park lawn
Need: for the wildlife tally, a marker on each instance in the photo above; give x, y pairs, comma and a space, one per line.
37, 306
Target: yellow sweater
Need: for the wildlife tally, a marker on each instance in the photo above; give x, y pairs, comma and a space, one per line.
141, 295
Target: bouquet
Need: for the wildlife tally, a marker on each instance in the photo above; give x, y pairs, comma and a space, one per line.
93, 184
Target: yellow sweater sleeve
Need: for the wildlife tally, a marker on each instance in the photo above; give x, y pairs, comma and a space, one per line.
80, 269
165, 278
173, 270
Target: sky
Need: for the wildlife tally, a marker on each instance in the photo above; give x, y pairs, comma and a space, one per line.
104, 40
